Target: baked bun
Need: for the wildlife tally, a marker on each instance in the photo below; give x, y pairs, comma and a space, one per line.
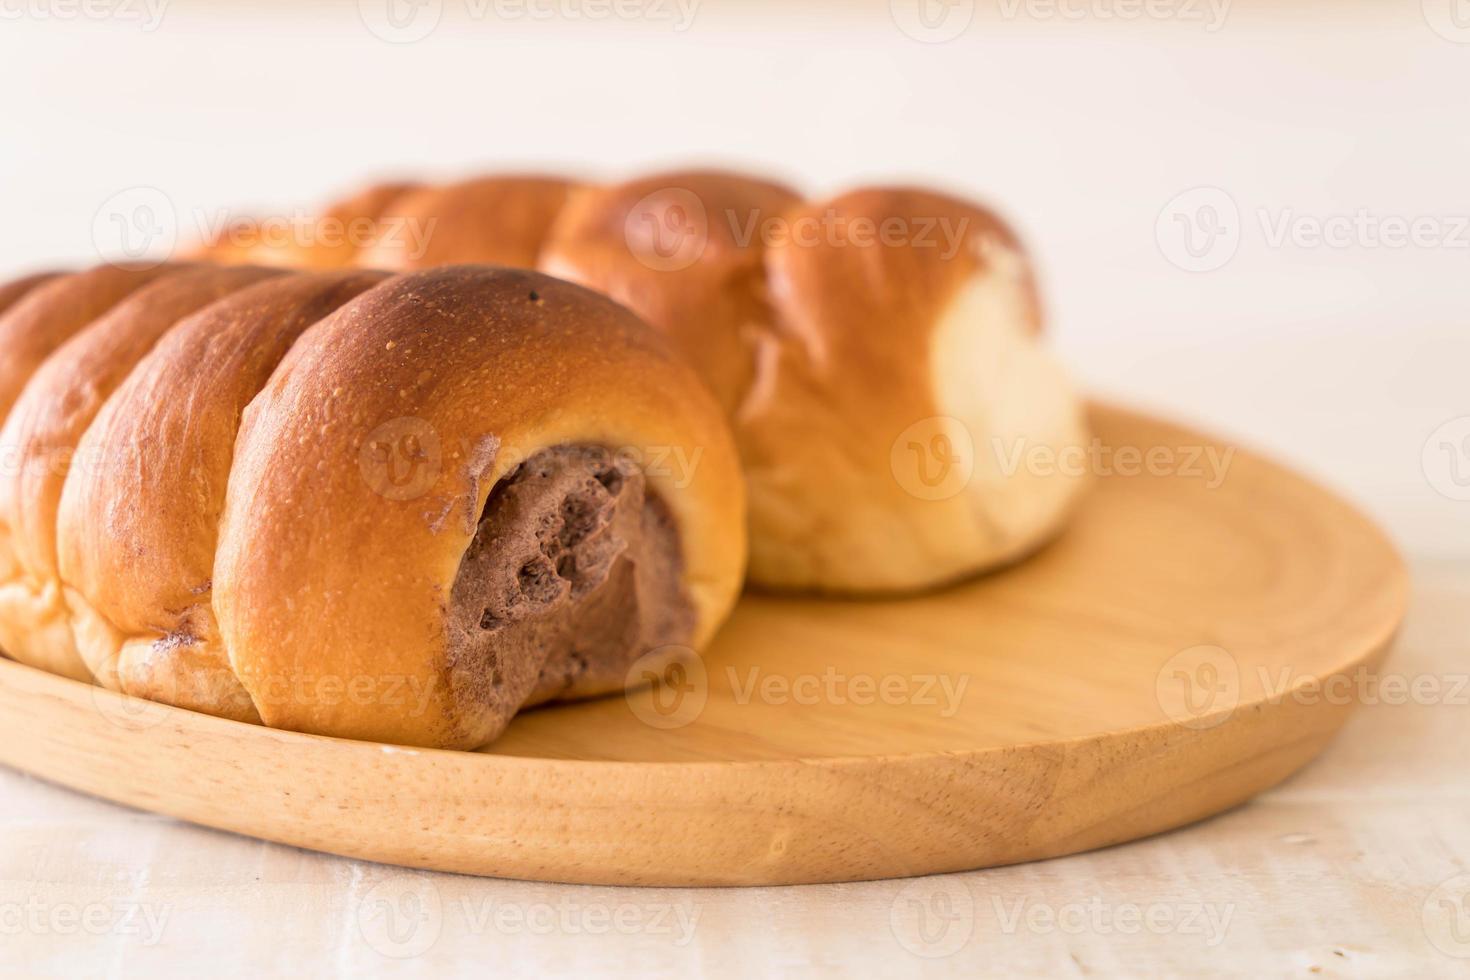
898, 415
880, 355
387, 507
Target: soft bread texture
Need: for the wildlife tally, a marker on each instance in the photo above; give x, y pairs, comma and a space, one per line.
878, 353
900, 372
230, 544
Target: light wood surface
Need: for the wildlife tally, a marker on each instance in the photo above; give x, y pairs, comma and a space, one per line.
1033, 713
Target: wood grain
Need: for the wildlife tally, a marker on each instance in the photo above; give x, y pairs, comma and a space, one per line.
826, 748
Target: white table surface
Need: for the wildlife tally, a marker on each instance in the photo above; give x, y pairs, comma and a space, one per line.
1350, 360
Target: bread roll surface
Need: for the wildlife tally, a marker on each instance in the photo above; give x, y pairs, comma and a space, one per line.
910, 383
140, 595
328, 575
501, 220
44, 316
878, 353
684, 251
39, 439
12, 291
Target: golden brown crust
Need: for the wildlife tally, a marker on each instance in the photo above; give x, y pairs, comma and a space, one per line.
684, 251
236, 546
13, 290
334, 576
140, 595
501, 220
854, 342
46, 315
816, 324
40, 438
906, 347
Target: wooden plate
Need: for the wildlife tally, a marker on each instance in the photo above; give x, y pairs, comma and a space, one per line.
1199, 633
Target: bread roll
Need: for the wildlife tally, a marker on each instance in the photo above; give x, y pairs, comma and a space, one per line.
897, 413
880, 355
398, 508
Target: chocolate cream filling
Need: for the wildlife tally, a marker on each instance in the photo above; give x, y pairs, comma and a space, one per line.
574, 573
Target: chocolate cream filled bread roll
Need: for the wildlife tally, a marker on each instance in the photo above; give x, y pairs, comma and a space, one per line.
389, 507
